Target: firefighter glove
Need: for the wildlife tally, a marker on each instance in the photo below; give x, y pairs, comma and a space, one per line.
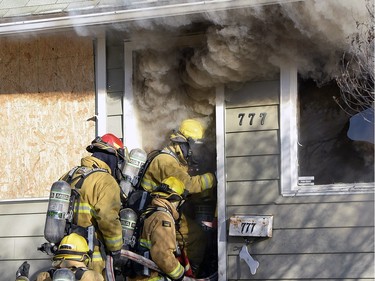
116, 256
23, 270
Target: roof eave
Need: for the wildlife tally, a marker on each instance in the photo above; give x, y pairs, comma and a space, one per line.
103, 18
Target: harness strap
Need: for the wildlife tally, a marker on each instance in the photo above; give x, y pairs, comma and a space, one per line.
78, 185
79, 272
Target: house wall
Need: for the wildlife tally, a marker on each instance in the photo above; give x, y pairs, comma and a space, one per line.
314, 237
21, 233
47, 93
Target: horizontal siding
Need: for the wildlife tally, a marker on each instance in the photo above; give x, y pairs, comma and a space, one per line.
305, 267
313, 237
314, 215
9, 268
20, 236
267, 192
252, 143
114, 103
253, 94
23, 207
252, 192
115, 55
251, 119
22, 224
252, 168
115, 80
114, 125
309, 241
22, 248
115, 84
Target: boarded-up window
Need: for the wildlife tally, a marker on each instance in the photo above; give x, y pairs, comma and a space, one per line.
47, 93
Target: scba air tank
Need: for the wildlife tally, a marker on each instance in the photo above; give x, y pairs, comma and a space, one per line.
137, 157
63, 274
58, 207
128, 219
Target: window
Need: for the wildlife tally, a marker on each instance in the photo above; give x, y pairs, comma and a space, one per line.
322, 150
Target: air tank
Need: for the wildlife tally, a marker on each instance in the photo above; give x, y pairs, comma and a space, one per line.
58, 207
63, 274
137, 157
128, 219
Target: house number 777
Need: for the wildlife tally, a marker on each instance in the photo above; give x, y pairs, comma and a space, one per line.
251, 116
246, 226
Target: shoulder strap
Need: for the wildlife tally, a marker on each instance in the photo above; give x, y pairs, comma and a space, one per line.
79, 272
69, 177
51, 271
84, 173
143, 169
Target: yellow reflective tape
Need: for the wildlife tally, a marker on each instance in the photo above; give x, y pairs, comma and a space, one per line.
96, 256
148, 185
177, 272
85, 208
205, 182
157, 278
145, 243
113, 241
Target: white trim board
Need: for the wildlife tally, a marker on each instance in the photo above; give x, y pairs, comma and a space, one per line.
289, 145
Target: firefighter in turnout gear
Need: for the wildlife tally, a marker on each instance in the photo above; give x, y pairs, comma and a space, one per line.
99, 200
73, 253
175, 161
158, 235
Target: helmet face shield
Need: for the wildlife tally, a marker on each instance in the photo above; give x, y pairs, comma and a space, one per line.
196, 148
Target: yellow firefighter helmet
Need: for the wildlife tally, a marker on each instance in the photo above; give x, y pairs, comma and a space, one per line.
73, 247
191, 128
171, 188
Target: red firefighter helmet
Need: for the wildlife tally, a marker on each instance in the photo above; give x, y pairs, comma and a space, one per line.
108, 143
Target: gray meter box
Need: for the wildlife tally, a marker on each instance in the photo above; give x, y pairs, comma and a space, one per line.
250, 226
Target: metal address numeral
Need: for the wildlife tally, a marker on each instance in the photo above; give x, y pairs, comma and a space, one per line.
262, 115
246, 225
251, 116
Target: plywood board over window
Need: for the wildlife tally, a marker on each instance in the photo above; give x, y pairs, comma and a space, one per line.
47, 93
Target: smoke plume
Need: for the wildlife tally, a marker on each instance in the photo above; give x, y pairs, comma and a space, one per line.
238, 45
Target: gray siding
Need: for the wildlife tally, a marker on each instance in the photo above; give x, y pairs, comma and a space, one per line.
314, 237
22, 227
115, 83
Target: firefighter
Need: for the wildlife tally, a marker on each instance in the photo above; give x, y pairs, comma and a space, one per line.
73, 253
158, 234
175, 160
100, 199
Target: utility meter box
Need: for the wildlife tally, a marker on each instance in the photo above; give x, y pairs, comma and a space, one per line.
250, 225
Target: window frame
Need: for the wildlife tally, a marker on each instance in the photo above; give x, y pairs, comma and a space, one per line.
289, 145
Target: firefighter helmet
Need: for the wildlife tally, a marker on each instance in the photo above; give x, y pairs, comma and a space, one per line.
171, 188
73, 247
108, 143
191, 128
